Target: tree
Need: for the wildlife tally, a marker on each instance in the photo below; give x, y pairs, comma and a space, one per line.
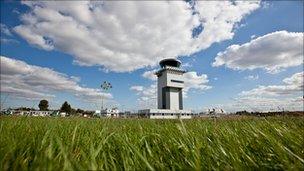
73, 111
43, 105
66, 107
79, 111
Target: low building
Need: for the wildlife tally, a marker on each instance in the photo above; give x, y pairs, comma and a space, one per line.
165, 114
63, 114
216, 112
7, 112
40, 113
114, 113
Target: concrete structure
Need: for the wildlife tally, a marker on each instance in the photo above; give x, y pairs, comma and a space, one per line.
166, 114
170, 83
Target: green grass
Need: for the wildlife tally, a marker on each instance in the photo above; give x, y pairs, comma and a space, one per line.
29, 143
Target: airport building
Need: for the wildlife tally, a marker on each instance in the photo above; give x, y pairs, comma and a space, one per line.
170, 84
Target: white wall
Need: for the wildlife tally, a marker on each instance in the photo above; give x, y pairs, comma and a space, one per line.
178, 77
165, 81
186, 117
163, 117
174, 99
170, 116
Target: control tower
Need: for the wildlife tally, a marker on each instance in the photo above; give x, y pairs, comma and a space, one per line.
170, 85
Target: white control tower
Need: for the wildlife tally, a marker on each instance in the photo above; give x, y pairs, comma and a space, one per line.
170, 85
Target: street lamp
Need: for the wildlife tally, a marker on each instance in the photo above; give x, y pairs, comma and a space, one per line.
105, 86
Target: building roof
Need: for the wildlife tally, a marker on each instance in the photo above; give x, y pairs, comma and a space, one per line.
170, 62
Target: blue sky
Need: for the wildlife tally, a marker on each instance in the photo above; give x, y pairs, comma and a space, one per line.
35, 41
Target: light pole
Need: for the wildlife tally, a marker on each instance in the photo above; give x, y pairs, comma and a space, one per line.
105, 86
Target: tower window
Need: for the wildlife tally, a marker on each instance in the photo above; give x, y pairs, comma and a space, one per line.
177, 81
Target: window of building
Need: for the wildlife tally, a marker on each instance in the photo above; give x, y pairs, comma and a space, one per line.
177, 81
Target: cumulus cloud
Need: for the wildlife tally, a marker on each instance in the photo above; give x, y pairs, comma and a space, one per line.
137, 88
5, 30
264, 104
195, 81
252, 77
272, 52
292, 85
287, 96
125, 36
148, 95
150, 75
22, 80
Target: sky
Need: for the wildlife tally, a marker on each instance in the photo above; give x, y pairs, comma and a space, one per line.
241, 55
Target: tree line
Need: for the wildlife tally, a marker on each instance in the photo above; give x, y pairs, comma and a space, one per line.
65, 107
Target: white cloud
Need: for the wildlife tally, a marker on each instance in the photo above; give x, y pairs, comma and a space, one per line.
124, 36
5, 30
219, 18
261, 104
22, 80
8, 41
288, 96
137, 88
194, 81
187, 65
293, 86
150, 75
148, 95
252, 77
273, 52
33, 38
16, 11
265, 4
296, 79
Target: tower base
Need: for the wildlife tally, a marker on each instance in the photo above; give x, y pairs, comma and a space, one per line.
166, 114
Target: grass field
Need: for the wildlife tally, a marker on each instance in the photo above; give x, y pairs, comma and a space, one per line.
29, 143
